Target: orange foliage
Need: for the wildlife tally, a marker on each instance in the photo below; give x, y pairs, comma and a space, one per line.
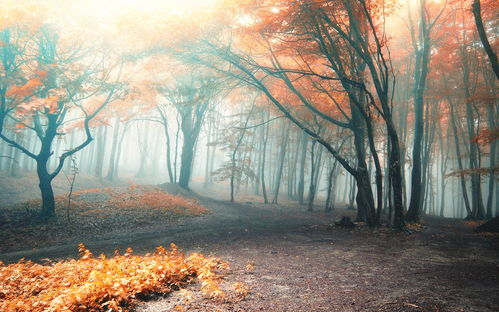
487, 136
103, 284
416, 227
473, 223
94, 190
242, 290
25, 90
161, 200
137, 197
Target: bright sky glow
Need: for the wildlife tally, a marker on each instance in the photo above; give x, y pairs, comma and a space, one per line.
111, 20
106, 12
111, 7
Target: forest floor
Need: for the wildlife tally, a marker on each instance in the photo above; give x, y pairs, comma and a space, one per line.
294, 260
93, 213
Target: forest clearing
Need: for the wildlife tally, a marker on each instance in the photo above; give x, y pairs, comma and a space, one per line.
249, 155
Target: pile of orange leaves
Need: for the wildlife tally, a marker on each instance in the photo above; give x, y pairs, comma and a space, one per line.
137, 197
104, 284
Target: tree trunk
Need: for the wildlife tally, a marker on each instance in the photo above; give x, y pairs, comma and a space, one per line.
365, 199
186, 162
45, 184
168, 153
14, 165
262, 174
422, 51
234, 154
44, 178
477, 12
444, 153
311, 189
396, 178
477, 208
303, 157
429, 135
492, 117
101, 145
459, 157
293, 165
190, 124
280, 167
331, 187
260, 158
143, 141
207, 172
114, 148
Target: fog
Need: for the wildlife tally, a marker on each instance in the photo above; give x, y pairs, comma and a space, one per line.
220, 100
136, 152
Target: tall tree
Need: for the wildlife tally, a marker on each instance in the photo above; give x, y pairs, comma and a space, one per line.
191, 95
422, 48
46, 88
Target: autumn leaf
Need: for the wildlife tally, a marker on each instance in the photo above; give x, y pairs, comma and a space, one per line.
102, 284
24, 90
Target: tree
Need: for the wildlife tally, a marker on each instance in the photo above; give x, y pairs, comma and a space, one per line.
422, 48
191, 95
47, 84
476, 8
345, 37
237, 168
464, 81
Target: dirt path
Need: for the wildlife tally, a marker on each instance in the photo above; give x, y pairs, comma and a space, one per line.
302, 263
228, 222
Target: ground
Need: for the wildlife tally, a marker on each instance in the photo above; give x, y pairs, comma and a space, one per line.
92, 213
293, 260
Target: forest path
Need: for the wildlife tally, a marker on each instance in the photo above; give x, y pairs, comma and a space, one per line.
299, 262
227, 222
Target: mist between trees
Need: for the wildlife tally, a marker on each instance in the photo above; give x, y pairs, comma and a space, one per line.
391, 111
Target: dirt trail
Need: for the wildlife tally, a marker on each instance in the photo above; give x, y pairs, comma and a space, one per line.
227, 222
302, 263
